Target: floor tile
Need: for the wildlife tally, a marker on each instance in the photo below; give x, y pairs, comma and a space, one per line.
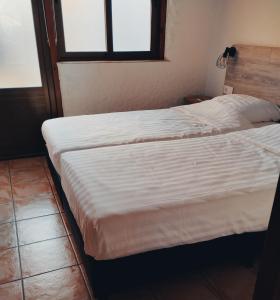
31, 189
11, 291
46, 256
187, 288
6, 212
40, 229
62, 284
8, 237
5, 192
31, 207
26, 176
45, 163
27, 163
4, 167
4, 179
9, 265
232, 281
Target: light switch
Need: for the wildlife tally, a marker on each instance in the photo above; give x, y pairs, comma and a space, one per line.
228, 90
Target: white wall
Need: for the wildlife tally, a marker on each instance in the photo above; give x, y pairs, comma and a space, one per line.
96, 87
253, 22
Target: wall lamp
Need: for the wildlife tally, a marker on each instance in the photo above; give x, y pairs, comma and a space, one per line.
222, 60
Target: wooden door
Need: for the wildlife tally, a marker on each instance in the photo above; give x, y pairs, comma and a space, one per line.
27, 95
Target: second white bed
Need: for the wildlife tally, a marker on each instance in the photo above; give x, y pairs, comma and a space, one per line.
134, 198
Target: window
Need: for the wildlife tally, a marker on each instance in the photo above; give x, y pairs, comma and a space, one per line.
110, 29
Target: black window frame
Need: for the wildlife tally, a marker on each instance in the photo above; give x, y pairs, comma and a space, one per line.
157, 37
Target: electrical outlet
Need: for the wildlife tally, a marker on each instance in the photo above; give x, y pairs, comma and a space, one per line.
228, 90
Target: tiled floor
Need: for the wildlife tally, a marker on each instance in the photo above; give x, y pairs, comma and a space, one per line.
38, 259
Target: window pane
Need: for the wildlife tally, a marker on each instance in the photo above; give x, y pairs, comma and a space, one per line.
84, 25
132, 25
19, 64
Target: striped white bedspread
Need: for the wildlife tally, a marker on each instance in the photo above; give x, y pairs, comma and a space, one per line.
270, 138
84, 132
130, 199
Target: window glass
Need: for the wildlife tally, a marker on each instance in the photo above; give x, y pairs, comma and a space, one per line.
131, 25
84, 25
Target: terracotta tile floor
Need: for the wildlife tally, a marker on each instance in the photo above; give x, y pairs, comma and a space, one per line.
39, 260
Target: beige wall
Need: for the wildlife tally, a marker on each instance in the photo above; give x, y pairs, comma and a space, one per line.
97, 87
253, 22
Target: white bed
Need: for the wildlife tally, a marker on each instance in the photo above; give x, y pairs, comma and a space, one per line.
220, 115
131, 199
92, 131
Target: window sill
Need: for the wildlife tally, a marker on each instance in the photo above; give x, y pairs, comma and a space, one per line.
113, 61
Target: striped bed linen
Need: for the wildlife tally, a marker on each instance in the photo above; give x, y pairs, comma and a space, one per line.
91, 131
269, 141
135, 198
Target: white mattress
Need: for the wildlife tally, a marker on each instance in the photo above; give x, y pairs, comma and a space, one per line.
134, 198
91, 131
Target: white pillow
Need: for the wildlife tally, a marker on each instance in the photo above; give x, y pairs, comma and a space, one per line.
253, 109
217, 114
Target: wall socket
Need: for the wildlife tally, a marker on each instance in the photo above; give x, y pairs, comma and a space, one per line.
228, 90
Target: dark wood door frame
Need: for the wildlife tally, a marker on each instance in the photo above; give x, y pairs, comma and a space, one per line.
268, 281
49, 18
47, 50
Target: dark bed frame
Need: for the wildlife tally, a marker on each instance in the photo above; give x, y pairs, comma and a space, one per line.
113, 276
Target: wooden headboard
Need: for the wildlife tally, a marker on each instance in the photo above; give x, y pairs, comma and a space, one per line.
255, 71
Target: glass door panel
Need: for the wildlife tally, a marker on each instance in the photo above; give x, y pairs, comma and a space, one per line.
19, 63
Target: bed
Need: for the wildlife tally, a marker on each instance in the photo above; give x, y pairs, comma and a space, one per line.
126, 197
133, 223
132, 199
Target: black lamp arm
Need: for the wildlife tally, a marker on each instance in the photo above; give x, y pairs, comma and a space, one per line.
229, 52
